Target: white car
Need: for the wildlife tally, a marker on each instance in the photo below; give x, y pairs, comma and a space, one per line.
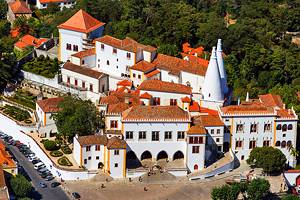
32, 158
39, 165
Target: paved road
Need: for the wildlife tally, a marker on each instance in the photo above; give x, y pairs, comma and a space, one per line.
39, 193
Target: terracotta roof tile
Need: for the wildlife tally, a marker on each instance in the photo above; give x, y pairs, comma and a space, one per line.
125, 83
116, 143
194, 107
208, 120
145, 95
127, 44
30, 41
195, 130
5, 158
152, 73
271, 100
186, 99
82, 70
50, 105
81, 22
117, 108
163, 86
85, 53
92, 139
285, 113
19, 7
2, 178
248, 108
143, 66
155, 113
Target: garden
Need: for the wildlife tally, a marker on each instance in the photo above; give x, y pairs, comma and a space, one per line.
58, 149
17, 113
43, 66
24, 98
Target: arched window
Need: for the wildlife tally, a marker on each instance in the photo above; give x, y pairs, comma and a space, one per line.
195, 167
278, 127
289, 143
290, 127
283, 144
188, 83
284, 127
277, 144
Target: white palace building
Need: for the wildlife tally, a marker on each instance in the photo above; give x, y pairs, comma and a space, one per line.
162, 110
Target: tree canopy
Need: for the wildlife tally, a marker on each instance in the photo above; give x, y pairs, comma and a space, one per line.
76, 116
272, 160
20, 185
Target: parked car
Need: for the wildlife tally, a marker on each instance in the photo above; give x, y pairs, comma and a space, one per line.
31, 158
39, 165
35, 161
43, 185
49, 178
45, 174
55, 184
76, 195
41, 170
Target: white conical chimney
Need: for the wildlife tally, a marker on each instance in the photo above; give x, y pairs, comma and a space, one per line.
222, 67
212, 89
247, 97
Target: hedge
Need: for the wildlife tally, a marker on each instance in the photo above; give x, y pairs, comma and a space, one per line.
51, 145
66, 150
64, 161
56, 153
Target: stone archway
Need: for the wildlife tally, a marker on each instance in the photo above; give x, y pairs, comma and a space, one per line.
146, 155
178, 155
162, 155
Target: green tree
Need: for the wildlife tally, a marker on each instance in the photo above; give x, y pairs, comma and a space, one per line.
226, 192
258, 189
76, 117
3, 9
20, 185
272, 160
290, 197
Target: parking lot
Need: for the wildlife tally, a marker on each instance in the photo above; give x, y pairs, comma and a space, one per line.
44, 184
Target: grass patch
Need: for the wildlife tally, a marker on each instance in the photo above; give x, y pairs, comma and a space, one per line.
24, 98
64, 161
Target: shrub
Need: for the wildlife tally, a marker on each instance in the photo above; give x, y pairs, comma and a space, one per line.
28, 121
56, 153
64, 161
51, 145
66, 150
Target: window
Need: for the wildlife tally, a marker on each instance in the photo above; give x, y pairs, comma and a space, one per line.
277, 144
113, 124
155, 135
116, 164
128, 55
218, 131
102, 46
195, 149
82, 62
142, 135
283, 135
116, 152
267, 127
196, 140
217, 139
212, 131
253, 128
97, 147
139, 76
88, 148
69, 47
290, 127
242, 157
195, 167
83, 84
283, 144
278, 127
289, 144
89, 158
284, 127
239, 128
252, 144
156, 101
68, 80
97, 157
107, 62
180, 135
75, 47
168, 135
238, 144
129, 135
114, 50
173, 102
266, 143
76, 82
85, 161
91, 87
227, 129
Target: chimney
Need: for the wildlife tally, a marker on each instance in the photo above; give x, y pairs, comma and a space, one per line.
76, 136
239, 101
247, 97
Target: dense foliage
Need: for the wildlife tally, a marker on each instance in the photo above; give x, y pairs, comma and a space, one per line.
50, 145
56, 153
16, 113
272, 160
24, 98
76, 117
257, 189
64, 161
20, 185
290, 197
43, 66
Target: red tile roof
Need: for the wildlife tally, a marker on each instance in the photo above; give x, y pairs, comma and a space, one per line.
146, 95
153, 73
116, 143
143, 66
187, 49
162, 86
5, 158
125, 83
155, 113
208, 120
127, 44
194, 107
271, 100
117, 108
29, 41
82, 70
253, 107
50, 105
81, 22
15, 32
186, 99
196, 60
19, 7
285, 113
92, 139
196, 130
85, 53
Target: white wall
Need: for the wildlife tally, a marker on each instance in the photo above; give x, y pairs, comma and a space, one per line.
109, 118
165, 76
195, 80
93, 163
117, 171
61, 4
89, 61
76, 151
196, 158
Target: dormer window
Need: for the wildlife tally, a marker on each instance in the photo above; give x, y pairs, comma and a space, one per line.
128, 56
102, 47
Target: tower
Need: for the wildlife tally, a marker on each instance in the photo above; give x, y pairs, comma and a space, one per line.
221, 67
212, 88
